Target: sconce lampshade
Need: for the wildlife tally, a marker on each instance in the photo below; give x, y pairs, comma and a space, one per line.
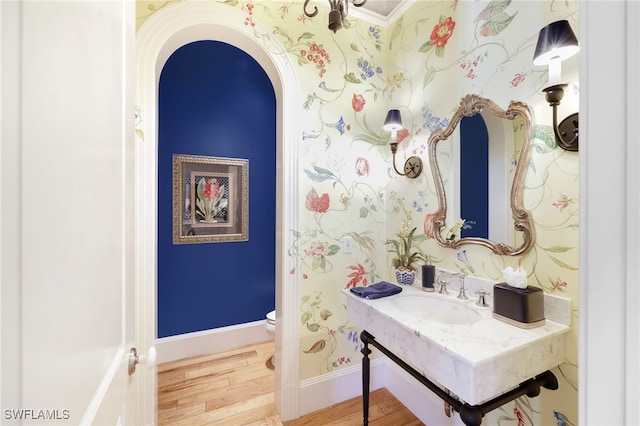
393, 121
555, 41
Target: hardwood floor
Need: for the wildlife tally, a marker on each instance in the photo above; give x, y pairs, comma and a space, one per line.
236, 388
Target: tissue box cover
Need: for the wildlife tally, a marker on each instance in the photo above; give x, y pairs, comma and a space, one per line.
522, 307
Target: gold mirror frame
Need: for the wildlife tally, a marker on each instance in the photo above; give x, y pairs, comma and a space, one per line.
471, 105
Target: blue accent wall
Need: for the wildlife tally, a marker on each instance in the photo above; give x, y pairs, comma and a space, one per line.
216, 100
474, 176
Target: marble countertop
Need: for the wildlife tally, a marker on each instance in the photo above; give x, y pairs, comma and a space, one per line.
476, 361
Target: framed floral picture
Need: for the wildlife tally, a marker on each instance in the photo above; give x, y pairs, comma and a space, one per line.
210, 199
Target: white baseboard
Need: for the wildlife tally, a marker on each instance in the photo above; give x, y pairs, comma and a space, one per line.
203, 342
332, 388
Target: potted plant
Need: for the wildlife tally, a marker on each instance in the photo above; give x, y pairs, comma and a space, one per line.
405, 257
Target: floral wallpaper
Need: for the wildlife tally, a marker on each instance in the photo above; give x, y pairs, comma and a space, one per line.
423, 63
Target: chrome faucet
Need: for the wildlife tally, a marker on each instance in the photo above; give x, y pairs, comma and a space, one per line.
443, 284
462, 274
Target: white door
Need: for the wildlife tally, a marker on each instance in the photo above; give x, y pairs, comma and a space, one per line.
67, 215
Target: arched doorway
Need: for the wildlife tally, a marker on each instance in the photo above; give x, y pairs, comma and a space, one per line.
163, 33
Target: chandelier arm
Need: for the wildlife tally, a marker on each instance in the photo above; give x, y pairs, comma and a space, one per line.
359, 3
315, 9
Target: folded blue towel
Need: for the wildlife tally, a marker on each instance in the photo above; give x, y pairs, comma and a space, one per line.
377, 290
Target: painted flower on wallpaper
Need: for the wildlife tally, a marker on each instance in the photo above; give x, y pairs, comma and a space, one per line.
432, 122
469, 68
561, 419
402, 134
342, 360
395, 82
517, 79
284, 11
318, 252
345, 200
339, 125
442, 32
357, 276
563, 202
302, 18
307, 135
368, 69
375, 32
440, 35
470, 63
420, 203
558, 285
249, 19
323, 86
362, 166
354, 337
314, 53
519, 416
462, 257
318, 249
315, 203
358, 102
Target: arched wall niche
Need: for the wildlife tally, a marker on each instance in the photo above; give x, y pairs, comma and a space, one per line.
162, 34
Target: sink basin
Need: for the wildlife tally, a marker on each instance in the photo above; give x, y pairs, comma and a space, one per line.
436, 309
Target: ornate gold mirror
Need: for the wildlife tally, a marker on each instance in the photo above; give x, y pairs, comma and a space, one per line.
479, 164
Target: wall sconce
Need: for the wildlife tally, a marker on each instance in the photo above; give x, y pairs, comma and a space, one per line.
557, 42
413, 165
339, 9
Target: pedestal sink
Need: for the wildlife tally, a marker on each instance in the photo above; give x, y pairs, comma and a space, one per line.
432, 308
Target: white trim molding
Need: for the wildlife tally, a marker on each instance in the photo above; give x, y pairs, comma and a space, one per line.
335, 387
187, 345
165, 31
609, 371
632, 296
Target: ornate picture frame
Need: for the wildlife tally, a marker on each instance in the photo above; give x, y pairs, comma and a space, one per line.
210, 199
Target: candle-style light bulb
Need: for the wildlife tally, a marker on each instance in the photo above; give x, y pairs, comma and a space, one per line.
555, 71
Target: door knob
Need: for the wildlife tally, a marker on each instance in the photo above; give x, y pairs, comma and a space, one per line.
134, 359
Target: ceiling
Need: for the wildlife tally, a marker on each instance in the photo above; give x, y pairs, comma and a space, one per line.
380, 12
382, 7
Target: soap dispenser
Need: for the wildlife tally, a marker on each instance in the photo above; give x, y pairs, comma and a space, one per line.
428, 275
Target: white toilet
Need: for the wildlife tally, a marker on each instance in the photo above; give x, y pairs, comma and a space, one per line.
270, 326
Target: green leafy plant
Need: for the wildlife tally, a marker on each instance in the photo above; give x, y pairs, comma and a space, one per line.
405, 257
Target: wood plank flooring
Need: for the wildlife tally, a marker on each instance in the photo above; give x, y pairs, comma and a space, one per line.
236, 388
